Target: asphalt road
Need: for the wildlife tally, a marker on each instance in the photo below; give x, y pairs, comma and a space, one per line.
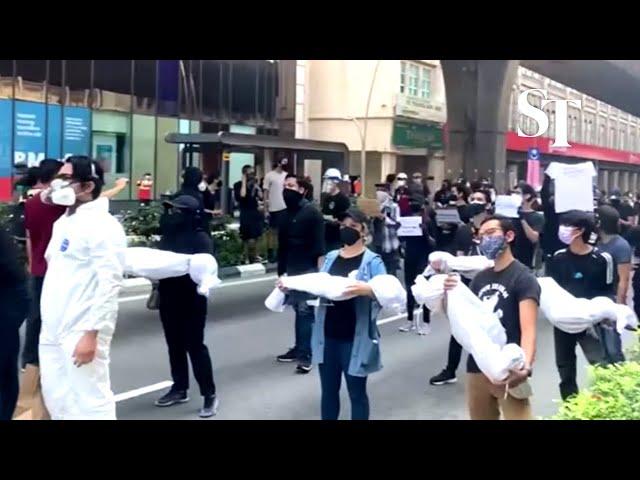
244, 338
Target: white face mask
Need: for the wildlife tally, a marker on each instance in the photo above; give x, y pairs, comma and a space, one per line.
62, 193
329, 186
202, 186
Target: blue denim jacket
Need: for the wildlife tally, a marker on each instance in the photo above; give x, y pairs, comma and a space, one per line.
365, 354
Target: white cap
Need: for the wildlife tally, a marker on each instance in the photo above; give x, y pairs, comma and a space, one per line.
333, 174
402, 176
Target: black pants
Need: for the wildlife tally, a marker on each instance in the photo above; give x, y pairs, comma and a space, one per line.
9, 349
412, 269
565, 346
34, 322
183, 314
455, 354
390, 261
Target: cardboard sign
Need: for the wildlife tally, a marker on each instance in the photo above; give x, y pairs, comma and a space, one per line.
370, 207
447, 216
410, 227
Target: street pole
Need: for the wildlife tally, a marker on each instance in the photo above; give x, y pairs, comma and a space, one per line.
363, 152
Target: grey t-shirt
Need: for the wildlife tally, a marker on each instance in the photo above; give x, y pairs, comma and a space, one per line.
618, 248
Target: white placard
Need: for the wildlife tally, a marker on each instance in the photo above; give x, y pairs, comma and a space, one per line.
410, 227
447, 216
508, 205
573, 186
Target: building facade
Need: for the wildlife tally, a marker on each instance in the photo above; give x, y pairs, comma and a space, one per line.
119, 111
403, 120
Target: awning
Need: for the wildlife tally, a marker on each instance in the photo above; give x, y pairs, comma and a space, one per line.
256, 141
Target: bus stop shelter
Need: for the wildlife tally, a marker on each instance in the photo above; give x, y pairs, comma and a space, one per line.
306, 157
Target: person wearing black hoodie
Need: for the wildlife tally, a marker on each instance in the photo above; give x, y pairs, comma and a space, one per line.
195, 185
549, 242
183, 311
14, 304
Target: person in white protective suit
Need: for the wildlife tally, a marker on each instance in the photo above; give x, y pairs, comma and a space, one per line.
79, 303
514, 294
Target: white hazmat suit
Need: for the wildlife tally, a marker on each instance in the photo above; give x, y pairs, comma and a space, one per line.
85, 260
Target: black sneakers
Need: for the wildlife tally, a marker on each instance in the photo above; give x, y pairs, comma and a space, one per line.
444, 377
172, 397
303, 367
210, 407
290, 356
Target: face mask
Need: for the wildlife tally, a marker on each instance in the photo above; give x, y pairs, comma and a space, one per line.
329, 186
349, 236
63, 193
565, 234
401, 182
476, 208
202, 186
292, 198
492, 247
417, 181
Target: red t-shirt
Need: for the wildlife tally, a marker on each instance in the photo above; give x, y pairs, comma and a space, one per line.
38, 220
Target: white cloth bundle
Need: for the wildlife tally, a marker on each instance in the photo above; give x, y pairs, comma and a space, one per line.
387, 289
160, 264
466, 266
574, 315
474, 326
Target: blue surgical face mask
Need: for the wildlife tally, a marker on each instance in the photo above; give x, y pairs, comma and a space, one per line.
492, 247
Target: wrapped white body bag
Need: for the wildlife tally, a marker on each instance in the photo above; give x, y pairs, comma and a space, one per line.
473, 325
160, 264
563, 310
388, 290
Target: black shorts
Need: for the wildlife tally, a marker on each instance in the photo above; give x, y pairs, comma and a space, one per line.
276, 218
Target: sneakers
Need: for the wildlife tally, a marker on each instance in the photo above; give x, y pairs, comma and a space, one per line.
172, 397
303, 367
210, 407
290, 356
408, 326
424, 329
443, 378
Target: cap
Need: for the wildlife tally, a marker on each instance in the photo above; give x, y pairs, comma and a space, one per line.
186, 202
402, 176
579, 219
333, 174
355, 214
615, 194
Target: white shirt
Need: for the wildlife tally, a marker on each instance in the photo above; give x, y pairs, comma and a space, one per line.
85, 264
274, 182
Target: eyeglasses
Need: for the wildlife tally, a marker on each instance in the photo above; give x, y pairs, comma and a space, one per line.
491, 232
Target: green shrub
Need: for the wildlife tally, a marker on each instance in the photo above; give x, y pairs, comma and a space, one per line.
143, 222
228, 248
614, 394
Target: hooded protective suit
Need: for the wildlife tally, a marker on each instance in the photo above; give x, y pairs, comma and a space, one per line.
80, 293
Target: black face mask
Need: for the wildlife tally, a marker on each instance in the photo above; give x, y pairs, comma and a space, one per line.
349, 236
292, 198
476, 208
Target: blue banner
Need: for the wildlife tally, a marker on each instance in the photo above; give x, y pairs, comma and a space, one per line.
53, 131
76, 131
5, 138
29, 140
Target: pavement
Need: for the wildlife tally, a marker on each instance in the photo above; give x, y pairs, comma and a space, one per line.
244, 338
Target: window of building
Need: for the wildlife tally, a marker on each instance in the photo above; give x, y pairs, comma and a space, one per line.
403, 77
602, 136
414, 72
612, 137
415, 80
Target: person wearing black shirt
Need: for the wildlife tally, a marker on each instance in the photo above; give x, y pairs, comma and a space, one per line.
334, 204
346, 340
550, 243
248, 195
300, 245
441, 197
183, 311
14, 302
584, 272
416, 258
466, 244
514, 293
528, 226
624, 209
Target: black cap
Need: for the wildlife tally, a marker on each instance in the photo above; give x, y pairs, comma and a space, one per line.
354, 214
185, 202
579, 219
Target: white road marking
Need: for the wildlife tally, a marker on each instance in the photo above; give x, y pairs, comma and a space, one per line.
142, 391
135, 298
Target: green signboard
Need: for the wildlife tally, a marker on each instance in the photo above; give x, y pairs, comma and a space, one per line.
417, 135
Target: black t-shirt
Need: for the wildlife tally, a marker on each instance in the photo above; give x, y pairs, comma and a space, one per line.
334, 205
340, 320
585, 276
250, 200
522, 247
504, 290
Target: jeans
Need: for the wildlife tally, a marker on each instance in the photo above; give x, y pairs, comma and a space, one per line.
34, 323
611, 343
337, 355
305, 316
183, 321
9, 348
565, 347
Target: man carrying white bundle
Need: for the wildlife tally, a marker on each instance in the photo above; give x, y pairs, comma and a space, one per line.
514, 294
